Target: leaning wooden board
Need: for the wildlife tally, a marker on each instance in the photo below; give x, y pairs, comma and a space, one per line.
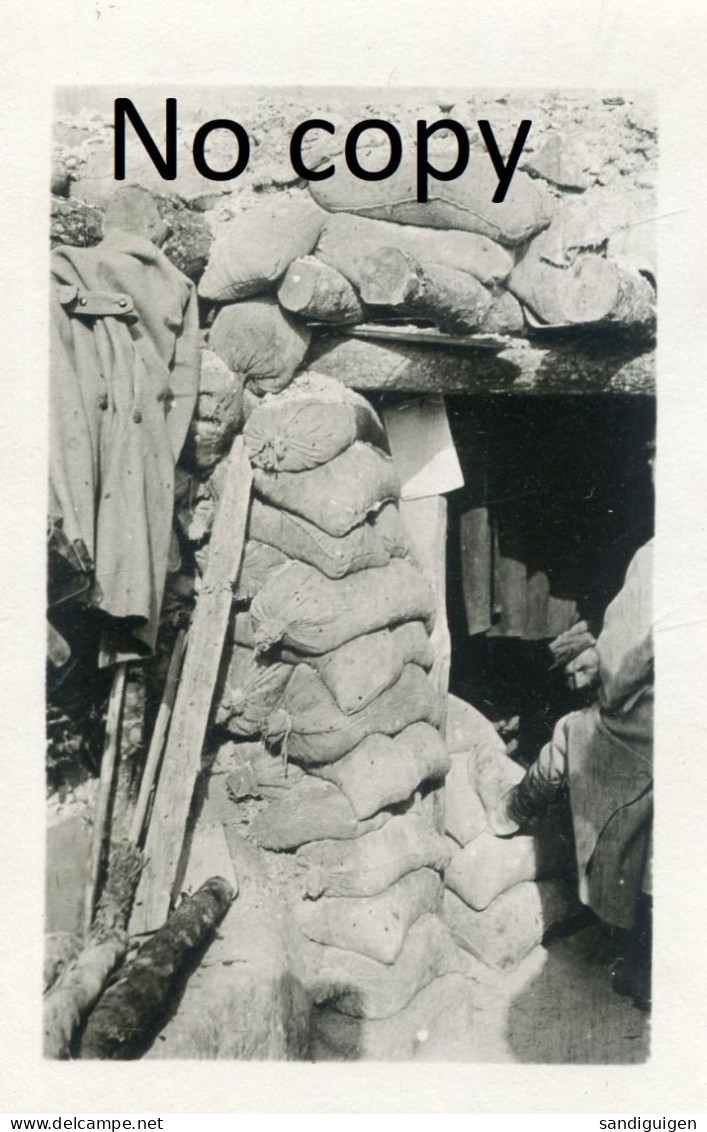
182, 757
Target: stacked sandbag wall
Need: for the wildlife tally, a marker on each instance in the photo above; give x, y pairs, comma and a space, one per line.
503, 895
328, 667
570, 245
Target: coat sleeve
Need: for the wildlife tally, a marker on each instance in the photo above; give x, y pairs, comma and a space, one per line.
184, 381
625, 644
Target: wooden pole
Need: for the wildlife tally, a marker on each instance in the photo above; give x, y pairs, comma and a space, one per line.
158, 736
110, 752
182, 757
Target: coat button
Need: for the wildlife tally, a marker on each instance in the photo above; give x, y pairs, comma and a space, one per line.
103, 401
122, 302
137, 416
83, 302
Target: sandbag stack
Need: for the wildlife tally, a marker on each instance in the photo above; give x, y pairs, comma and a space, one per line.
353, 251
329, 669
276, 270
572, 243
502, 895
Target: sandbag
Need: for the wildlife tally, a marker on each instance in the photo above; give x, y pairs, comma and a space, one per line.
243, 631
309, 385
335, 496
516, 922
371, 863
218, 416
259, 559
372, 543
257, 773
504, 316
360, 670
252, 691
375, 926
313, 614
365, 988
490, 865
590, 220
381, 771
257, 339
346, 241
464, 813
254, 249
437, 1024
293, 436
313, 730
311, 810
493, 772
465, 204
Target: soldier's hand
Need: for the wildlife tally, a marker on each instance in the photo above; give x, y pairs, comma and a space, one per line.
572, 643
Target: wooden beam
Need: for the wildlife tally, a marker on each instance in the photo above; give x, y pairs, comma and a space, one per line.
600, 364
182, 758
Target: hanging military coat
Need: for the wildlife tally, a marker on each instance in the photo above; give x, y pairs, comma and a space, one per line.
124, 382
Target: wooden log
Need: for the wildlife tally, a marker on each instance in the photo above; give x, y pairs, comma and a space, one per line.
504, 316
455, 300
60, 949
597, 366
591, 290
80, 985
70, 1000
131, 752
182, 758
248, 1002
315, 290
133, 1008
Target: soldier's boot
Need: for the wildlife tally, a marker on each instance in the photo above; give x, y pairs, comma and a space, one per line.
524, 802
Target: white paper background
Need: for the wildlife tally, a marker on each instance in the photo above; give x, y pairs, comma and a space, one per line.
607, 45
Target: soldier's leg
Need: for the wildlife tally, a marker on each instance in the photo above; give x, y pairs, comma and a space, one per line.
541, 785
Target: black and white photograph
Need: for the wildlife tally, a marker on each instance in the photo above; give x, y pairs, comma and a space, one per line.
349, 666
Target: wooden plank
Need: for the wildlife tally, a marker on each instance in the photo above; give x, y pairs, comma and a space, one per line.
158, 736
476, 550
599, 365
105, 786
182, 758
